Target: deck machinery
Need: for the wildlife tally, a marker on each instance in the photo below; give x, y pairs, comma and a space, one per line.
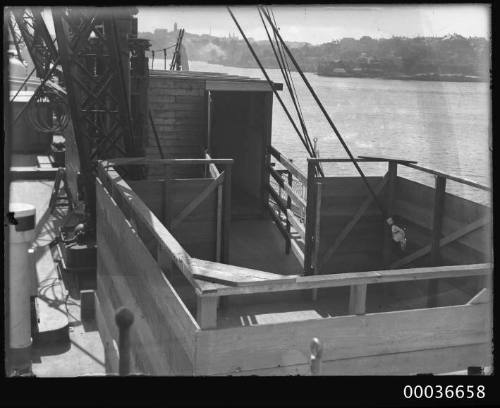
95, 73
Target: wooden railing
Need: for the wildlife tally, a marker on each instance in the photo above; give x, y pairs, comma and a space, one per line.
286, 207
358, 281
138, 212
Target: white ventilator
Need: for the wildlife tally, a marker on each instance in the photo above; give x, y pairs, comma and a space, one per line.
21, 235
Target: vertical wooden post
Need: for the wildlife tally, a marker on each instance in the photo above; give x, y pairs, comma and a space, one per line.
124, 319
218, 243
357, 300
288, 206
391, 196
315, 261
310, 218
227, 213
316, 355
206, 311
437, 218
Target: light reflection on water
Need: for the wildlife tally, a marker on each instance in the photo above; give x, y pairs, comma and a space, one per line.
442, 125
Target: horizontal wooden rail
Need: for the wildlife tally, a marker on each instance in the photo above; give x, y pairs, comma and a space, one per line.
287, 164
143, 160
278, 222
275, 196
342, 160
357, 278
299, 227
296, 199
449, 177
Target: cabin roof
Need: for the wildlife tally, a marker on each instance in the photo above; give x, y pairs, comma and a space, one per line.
216, 81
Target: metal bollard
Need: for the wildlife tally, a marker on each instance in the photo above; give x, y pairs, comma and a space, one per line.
316, 354
124, 319
21, 236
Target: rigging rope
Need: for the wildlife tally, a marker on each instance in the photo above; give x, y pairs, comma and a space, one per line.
398, 234
286, 77
269, 80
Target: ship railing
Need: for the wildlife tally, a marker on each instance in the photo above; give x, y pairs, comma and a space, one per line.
287, 189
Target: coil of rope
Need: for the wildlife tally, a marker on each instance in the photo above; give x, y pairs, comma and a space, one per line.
49, 112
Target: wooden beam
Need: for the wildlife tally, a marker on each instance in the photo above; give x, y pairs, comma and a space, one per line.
279, 201
394, 160
443, 241
350, 225
206, 311
287, 164
360, 278
449, 177
218, 244
296, 224
297, 200
483, 296
226, 224
439, 195
121, 161
297, 252
288, 220
196, 202
231, 275
278, 222
310, 217
316, 241
357, 300
391, 196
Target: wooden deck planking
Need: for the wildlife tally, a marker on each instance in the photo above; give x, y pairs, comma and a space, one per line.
258, 244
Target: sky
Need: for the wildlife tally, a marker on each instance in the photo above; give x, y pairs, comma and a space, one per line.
324, 23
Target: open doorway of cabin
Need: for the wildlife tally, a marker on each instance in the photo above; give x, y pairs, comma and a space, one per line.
239, 127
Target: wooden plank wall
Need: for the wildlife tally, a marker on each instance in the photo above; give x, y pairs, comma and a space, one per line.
163, 333
178, 109
197, 233
414, 204
166, 198
362, 248
421, 341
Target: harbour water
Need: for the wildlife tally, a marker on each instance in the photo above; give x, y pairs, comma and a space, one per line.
441, 125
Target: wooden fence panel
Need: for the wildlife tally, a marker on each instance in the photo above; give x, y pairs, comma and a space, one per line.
245, 349
197, 233
361, 248
163, 334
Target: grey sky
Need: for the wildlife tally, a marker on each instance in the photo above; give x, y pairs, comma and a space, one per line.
318, 24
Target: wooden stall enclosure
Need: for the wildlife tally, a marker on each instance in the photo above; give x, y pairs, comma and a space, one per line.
180, 334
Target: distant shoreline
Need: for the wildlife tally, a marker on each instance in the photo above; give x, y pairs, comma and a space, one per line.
400, 77
403, 77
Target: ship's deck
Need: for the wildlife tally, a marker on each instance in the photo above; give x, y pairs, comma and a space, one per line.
55, 355
257, 244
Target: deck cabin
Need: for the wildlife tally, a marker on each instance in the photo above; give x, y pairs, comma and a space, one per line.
232, 258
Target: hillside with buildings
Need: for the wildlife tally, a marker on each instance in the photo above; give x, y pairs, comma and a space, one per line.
452, 57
